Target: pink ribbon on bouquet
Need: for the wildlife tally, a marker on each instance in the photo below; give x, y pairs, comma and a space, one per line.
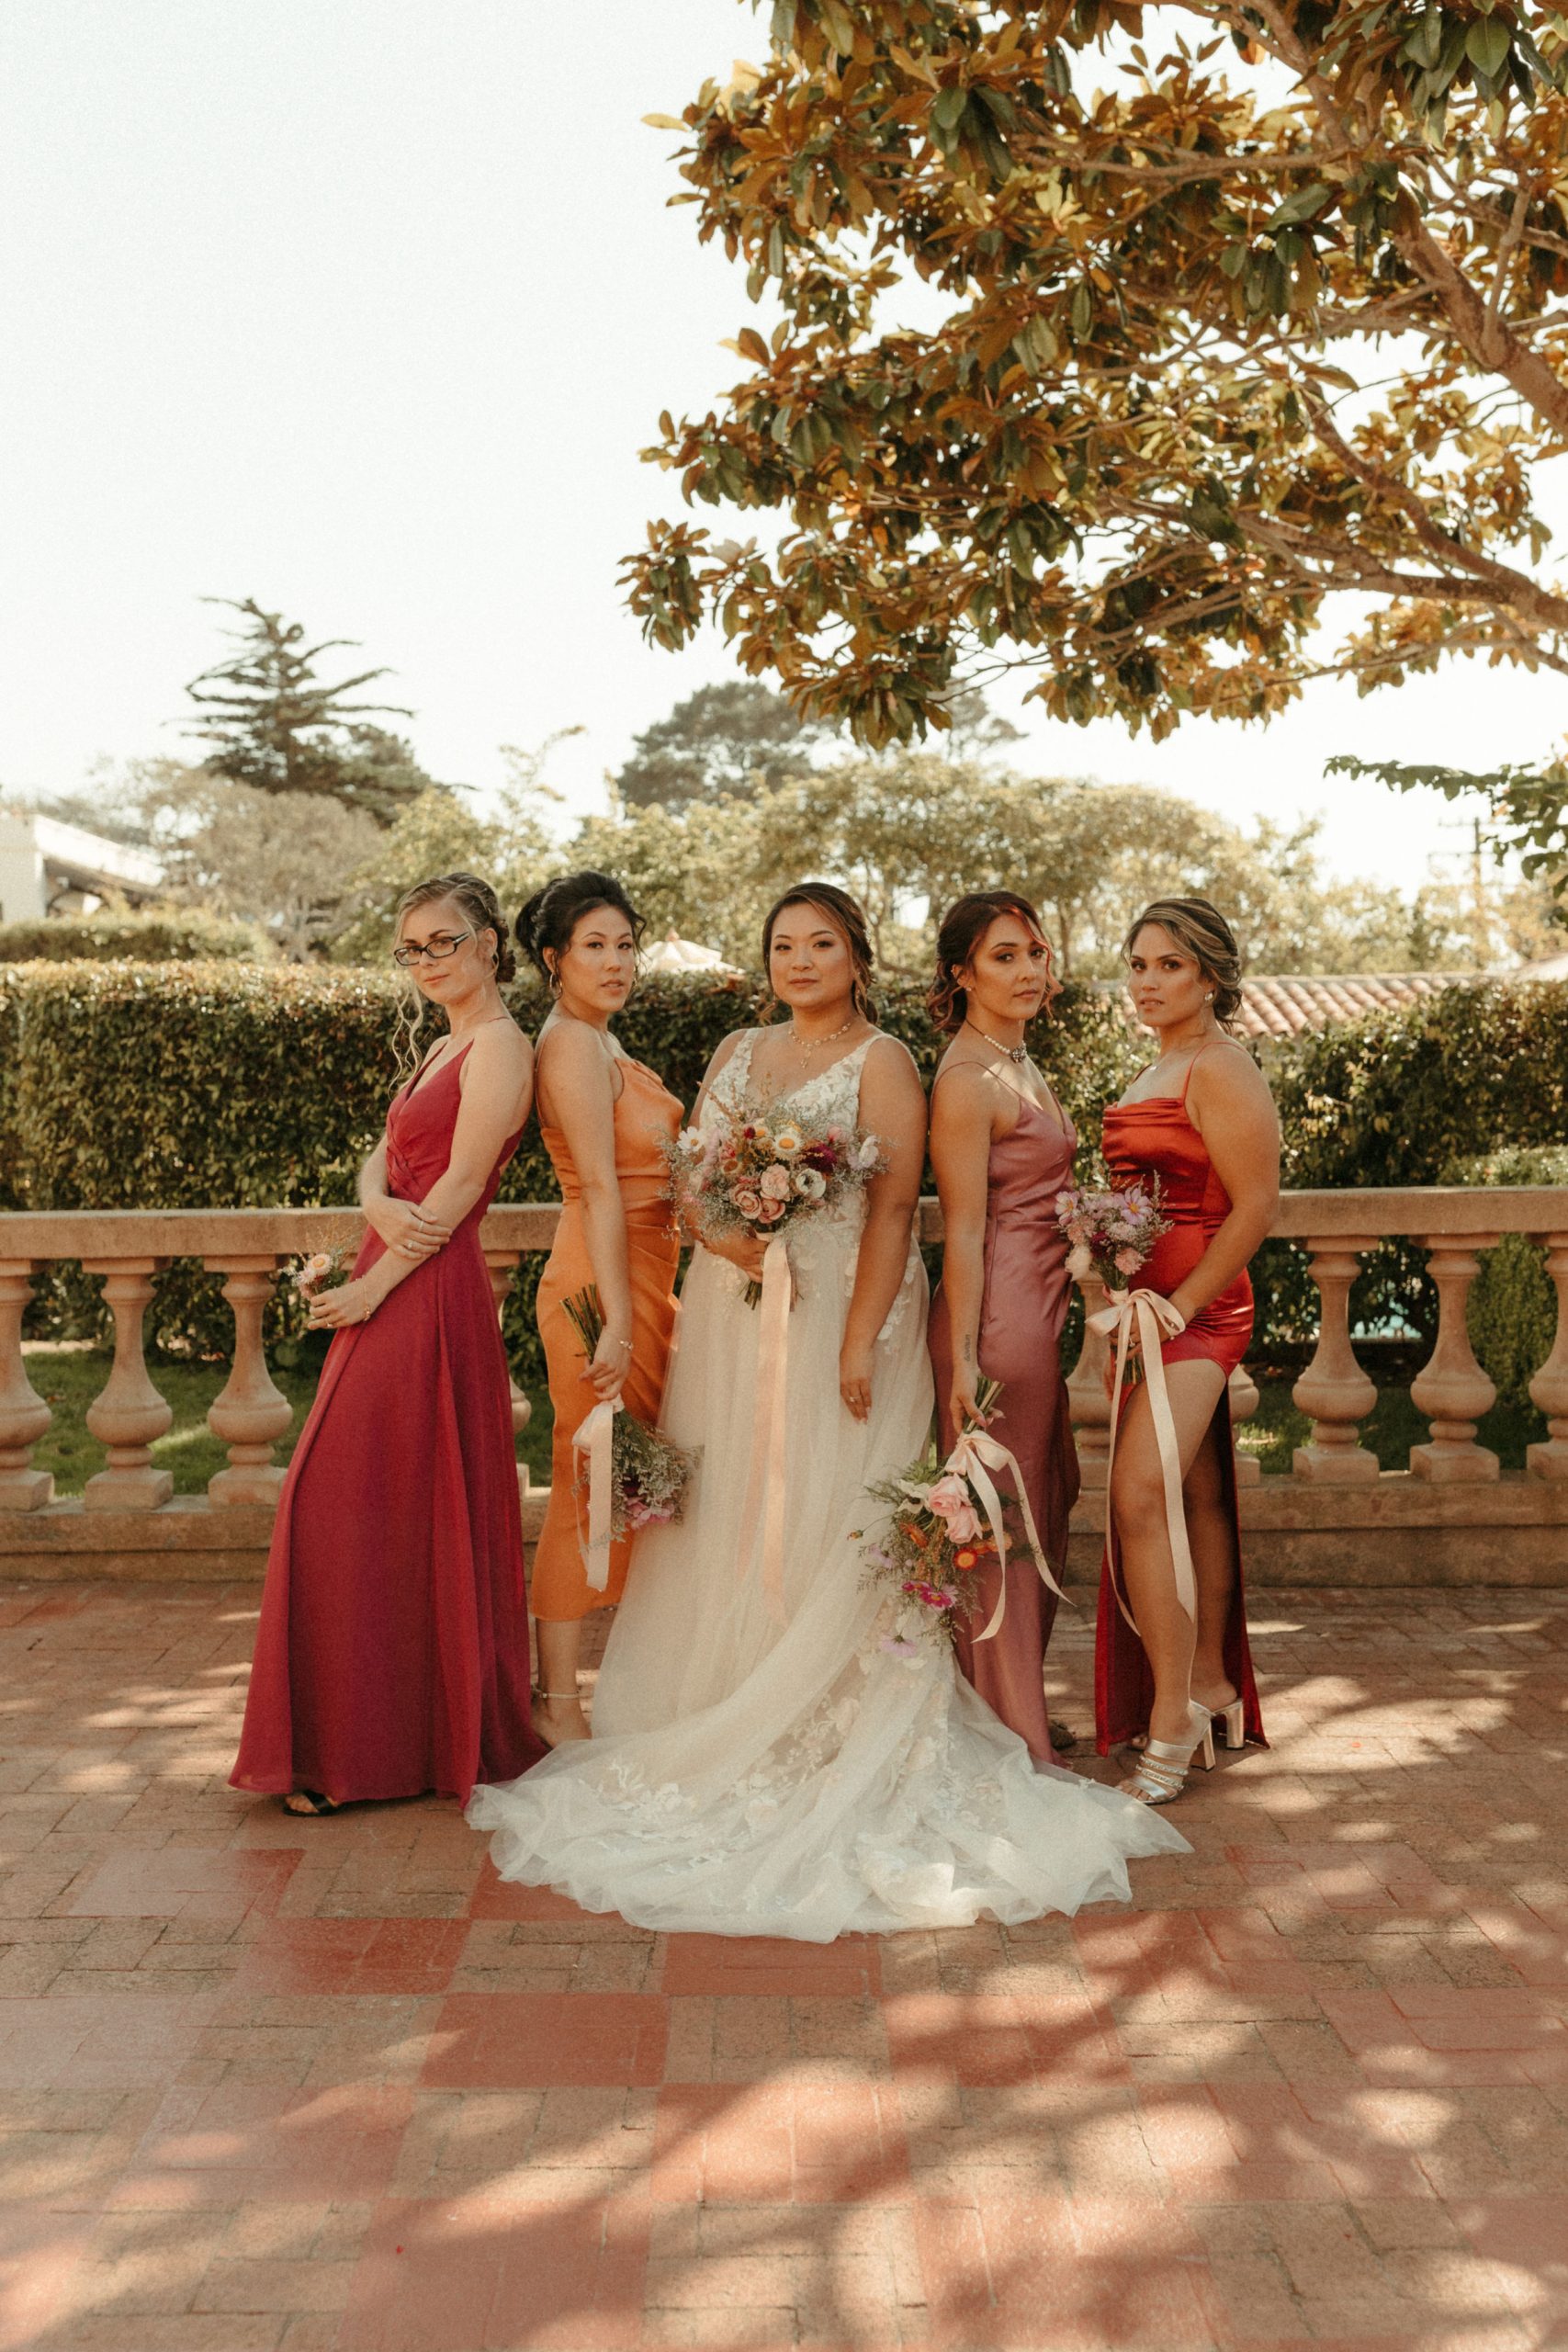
595, 1437
765, 1479
974, 1456
1155, 1320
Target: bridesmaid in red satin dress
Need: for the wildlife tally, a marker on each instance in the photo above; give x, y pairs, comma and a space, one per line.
1201, 1119
392, 1653
1002, 1148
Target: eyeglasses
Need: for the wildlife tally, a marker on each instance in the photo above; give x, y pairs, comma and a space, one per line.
437, 949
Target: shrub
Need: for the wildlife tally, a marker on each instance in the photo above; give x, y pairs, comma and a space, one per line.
1512, 1308
172, 935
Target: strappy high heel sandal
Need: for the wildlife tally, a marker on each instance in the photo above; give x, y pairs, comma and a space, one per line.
1163, 1767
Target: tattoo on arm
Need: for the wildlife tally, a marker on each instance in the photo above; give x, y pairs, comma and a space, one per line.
968, 1350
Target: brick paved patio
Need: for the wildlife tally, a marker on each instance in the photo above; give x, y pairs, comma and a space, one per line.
268, 2084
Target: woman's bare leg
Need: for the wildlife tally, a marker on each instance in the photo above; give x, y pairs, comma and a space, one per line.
559, 1716
1212, 1538
1137, 1503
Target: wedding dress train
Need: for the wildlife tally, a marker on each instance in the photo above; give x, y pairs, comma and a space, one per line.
798, 1769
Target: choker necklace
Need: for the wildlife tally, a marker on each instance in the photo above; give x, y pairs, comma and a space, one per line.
811, 1044
1019, 1054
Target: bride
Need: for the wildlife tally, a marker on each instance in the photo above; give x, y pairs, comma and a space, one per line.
795, 1770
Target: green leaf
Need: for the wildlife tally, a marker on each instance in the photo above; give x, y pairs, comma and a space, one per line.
1486, 46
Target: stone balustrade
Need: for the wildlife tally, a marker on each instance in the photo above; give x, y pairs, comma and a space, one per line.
1334, 1515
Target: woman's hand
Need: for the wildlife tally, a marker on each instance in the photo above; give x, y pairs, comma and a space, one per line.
742, 1249
606, 1375
405, 1228
334, 1310
854, 1378
963, 1400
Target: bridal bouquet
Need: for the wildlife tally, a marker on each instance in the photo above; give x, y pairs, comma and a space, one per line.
648, 1474
936, 1544
747, 1174
1111, 1234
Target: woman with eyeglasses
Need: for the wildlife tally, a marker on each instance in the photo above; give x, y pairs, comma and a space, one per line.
392, 1653
605, 1120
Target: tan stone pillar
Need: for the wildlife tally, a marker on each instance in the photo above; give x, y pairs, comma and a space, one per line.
1334, 1390
1245, 1401
252, 1413
24, 1415
1451, 1388
129, 1414
502, 1267
1549, 1389
1088, 1403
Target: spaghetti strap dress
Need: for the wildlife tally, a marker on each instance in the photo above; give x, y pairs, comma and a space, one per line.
392, 1654
647, 1116
1157, 1138
1024, 1308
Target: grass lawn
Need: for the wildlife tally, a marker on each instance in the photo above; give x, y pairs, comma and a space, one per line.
69, 1376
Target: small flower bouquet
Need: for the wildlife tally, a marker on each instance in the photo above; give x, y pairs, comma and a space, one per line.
747, 1174
1112, 1233
935, 1546
648, 1477
323, 1270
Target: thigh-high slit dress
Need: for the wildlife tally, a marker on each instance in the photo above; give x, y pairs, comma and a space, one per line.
1157, 1138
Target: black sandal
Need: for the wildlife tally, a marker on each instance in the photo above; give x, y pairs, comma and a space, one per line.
315, 1803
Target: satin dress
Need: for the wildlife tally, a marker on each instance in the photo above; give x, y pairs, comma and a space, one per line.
647, 1116
1156, 1137
1024, 1308
392, 1653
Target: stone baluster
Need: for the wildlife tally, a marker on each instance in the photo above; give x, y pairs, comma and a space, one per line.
1450, 1388
24, 1415
502, 1267
1549, 1389
129, 1413
252, 1413
1245, 1401
1334, 1391
1088, 1403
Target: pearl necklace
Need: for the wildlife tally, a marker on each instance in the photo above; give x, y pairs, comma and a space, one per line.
1019, 1054
810, 1045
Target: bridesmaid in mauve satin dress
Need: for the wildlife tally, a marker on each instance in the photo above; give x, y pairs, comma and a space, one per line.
1002, 1149
1184, 976
392, 1653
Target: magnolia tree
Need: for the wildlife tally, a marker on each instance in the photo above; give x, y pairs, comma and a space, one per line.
1240, 310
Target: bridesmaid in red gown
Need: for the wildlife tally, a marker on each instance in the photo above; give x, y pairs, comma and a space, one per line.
1201, 1120
392, 1653
1002, 1148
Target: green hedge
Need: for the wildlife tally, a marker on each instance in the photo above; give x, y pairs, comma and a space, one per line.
166, 937
186, 1085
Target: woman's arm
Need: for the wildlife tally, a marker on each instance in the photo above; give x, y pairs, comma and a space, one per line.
1229, 1103
406, 1227
742, 1249
893, 1108
963, 1107
497, 1084
577, 1074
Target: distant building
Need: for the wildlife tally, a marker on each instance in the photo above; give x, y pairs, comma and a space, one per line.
1298, 1005
48, 868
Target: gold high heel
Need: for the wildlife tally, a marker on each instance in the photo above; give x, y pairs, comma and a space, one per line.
1163, 1767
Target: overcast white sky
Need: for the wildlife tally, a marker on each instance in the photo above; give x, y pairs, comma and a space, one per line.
366, 308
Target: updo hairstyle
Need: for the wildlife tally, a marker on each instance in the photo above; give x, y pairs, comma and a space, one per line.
964, 926
1202, 932
546, 924
479, 905
846, 915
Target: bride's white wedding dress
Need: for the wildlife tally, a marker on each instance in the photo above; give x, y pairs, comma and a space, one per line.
803, 1778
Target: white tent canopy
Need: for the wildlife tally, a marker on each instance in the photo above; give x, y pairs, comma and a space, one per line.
673, 954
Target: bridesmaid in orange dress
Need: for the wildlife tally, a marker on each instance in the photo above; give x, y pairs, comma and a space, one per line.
605, 1119
1201, 1119
392, 1653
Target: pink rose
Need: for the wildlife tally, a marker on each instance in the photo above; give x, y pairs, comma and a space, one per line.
747, 1202
1128, 1262
770, 1212
950, 1500
776, 1183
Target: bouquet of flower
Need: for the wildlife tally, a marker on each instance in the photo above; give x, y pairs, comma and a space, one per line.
936, 1544
648, 1474
1111, 1234
747, 1174
323, 1270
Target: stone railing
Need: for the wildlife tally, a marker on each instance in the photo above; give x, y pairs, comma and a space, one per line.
1316, 1519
